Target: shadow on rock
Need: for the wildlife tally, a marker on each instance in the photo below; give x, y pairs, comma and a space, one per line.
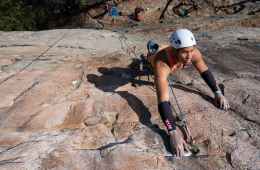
115, 77
145, 116
112, 78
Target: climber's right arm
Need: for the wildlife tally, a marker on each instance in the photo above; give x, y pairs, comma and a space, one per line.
162, 71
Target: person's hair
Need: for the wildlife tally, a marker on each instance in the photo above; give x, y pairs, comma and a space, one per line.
138, 10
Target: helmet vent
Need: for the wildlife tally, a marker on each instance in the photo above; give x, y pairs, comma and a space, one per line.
178, 42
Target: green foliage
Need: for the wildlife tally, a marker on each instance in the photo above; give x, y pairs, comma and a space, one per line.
15, 16
38, 14
83, 3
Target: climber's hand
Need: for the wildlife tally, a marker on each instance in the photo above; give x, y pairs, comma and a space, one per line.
221, 101
177, 142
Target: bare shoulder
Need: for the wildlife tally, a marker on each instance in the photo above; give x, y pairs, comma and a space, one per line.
160, 64
163, 47
162, 69
198, 61
197, 56
160, 61
162, 54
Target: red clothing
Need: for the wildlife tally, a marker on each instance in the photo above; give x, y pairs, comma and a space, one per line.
172, 61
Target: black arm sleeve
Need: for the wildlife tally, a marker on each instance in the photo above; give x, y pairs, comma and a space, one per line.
210, 80
166, 115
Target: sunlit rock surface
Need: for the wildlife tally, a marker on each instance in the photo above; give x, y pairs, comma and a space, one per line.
68, 101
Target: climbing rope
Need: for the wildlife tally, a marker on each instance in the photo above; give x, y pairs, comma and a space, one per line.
174, 96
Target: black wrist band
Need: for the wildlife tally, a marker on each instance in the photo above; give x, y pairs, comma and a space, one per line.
210, 80
166, 115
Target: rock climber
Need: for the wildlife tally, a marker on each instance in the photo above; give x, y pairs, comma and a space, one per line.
181, 53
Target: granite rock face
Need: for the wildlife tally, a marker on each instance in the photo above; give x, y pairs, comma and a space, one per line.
69, 101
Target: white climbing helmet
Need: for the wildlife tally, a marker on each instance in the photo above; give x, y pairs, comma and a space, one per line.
182, 38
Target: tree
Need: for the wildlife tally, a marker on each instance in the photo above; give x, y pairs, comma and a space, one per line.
38, 14
14, 15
